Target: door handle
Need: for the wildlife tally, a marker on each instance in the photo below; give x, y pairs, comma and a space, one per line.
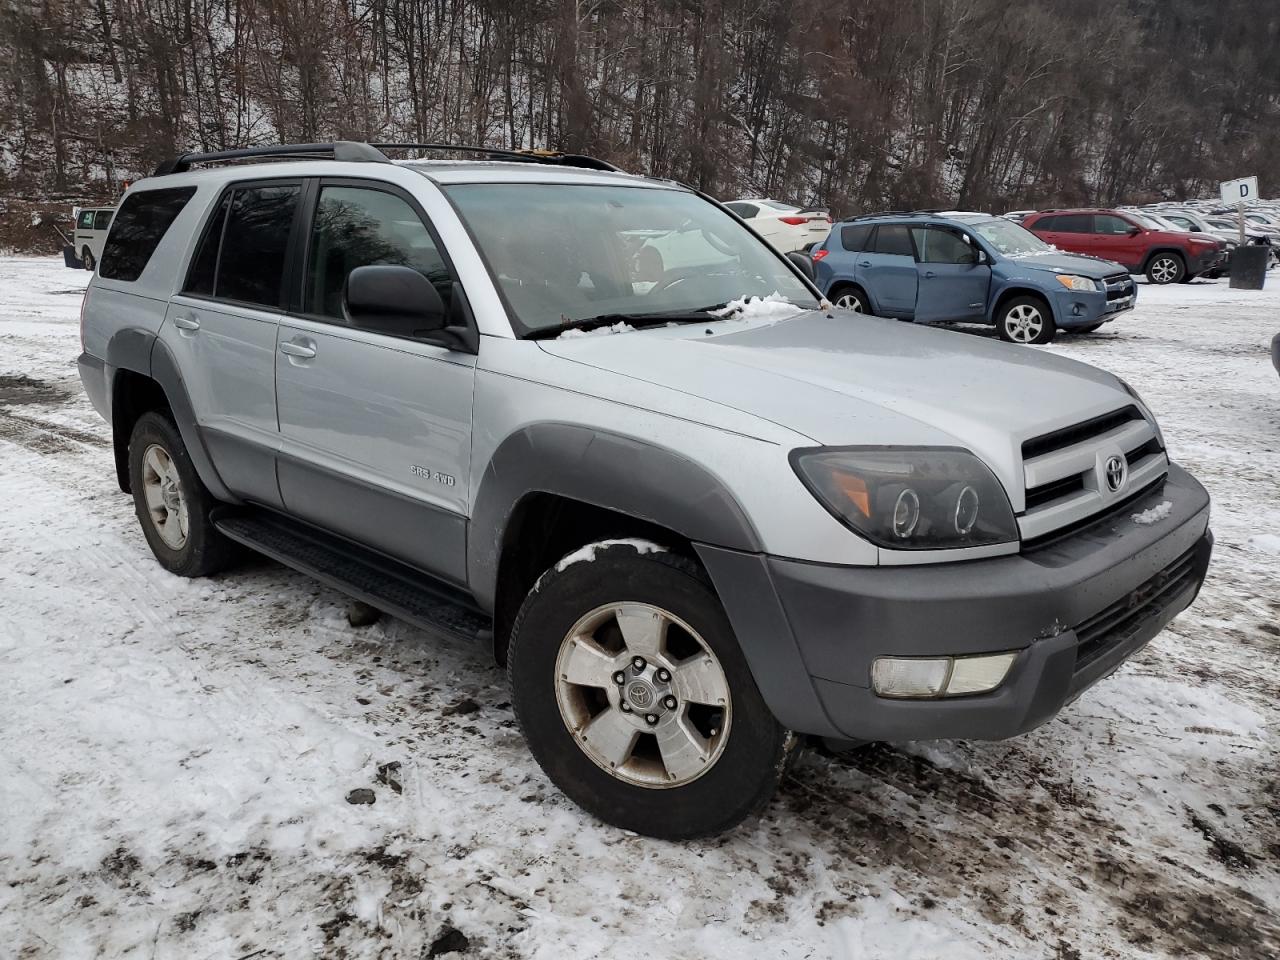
292, 348
186, 323
929, 274
864, 263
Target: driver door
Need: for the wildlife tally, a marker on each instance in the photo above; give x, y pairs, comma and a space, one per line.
953, 284
375, 429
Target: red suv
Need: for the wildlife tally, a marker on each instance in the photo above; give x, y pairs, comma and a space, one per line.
1165, 256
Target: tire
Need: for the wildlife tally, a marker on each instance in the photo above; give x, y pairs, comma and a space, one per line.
850, 298
1025, 319
1166, 268
87, 259
569, 626
165, 486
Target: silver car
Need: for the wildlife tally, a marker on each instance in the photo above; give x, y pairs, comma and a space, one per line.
699, 513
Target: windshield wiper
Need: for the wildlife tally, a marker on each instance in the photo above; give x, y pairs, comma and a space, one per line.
693, 315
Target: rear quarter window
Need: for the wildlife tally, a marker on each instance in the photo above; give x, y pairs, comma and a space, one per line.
139, 226
854, 239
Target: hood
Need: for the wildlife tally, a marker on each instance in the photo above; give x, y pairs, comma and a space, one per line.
842, 378
1077, 263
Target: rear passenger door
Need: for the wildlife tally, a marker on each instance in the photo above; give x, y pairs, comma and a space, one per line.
375, 429
887, 271
222, 329
953, 284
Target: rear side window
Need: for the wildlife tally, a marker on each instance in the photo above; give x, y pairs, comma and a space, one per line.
200, 278
894, 239
1073, 223
854, 239
255, 240
140, 225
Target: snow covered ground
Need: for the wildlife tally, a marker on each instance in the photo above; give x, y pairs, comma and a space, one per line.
175, 756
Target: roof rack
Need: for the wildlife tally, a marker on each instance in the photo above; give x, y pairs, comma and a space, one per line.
353, 151
526, 156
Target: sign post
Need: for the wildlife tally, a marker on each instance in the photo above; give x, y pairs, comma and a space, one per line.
1240, 192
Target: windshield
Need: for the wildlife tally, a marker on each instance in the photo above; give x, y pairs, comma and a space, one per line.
1010, 238
560, 253
1146, 220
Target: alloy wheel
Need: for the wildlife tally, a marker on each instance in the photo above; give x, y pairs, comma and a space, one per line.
1024, 323
849, 301
643, 695
1164, 270
166, 504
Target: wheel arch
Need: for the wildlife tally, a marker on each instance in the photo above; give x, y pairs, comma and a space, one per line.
1018, 290
1146, 263
847, 284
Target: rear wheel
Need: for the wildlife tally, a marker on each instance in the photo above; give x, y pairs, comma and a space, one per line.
850, 298
1025, 319
636, 700
171, 503
86, 257
1166, 268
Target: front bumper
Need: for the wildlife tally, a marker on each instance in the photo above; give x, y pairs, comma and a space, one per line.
1212, 259
1085, 308
1075, 610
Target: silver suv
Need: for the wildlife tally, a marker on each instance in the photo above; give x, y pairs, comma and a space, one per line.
594, 420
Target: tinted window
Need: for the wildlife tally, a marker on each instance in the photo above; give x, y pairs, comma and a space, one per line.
745, 210
894, 239
1044, 223
1073, 223
86, 220
356, 227
1110, 225
251, 267
102, 220
1181, 221
139, 227
938, 245
200, 276
854, 239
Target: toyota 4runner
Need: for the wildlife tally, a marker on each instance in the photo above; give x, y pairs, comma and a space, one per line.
594, 420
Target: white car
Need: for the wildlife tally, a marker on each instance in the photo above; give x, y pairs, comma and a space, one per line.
785, 226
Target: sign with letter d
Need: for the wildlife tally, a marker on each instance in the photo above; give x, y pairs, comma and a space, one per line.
1244, 190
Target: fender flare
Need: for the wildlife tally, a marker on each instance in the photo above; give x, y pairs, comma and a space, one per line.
607, 470
141, 351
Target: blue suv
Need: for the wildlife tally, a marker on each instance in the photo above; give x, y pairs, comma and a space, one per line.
931, 268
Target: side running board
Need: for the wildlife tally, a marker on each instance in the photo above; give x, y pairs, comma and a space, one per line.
394, 588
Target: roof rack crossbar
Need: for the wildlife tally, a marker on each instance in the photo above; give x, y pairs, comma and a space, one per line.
520, 156
348, 150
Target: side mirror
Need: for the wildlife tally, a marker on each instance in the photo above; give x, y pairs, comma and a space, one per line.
1133, 231
804, 262
980, 256
395, 300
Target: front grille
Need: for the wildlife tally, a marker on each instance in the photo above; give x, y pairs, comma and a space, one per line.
1118, 622
1063, 471
1119, 286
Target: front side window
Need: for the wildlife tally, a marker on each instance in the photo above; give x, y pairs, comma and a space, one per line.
102, 220
566, 252
144, 218
1111, 226
939, 245
255, 242
357, 227
895, 240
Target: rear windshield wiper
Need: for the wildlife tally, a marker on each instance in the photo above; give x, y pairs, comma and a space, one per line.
695, 315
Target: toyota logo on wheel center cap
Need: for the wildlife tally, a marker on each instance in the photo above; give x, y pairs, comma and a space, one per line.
1116, 470
641, 695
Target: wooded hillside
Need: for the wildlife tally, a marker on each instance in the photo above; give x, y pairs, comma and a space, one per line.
856, 104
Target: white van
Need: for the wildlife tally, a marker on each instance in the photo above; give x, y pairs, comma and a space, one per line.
91, 233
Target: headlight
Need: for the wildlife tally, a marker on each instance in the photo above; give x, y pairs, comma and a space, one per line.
1201, 240
1075, 283
921, 498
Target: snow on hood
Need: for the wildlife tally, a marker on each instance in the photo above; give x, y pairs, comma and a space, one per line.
843, 378
1077, 263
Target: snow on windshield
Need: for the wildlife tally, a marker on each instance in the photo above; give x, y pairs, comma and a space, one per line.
1012, 240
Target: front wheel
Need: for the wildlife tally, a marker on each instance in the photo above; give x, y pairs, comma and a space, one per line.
1025, 320
86, 257
635, 698
1166, 268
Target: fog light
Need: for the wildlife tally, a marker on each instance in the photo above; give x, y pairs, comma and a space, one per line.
931, 677
909, 677
979, 674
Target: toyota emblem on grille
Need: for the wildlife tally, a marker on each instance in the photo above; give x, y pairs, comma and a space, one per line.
1116, 470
